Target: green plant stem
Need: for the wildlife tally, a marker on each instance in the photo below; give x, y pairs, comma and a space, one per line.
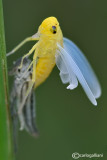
6, 152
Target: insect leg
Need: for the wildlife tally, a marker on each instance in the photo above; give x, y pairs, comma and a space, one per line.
28, 54
21, 44
34, 67
21, 104
20, 110
31, 85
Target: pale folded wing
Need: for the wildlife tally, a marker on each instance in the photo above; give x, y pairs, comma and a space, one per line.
73, 65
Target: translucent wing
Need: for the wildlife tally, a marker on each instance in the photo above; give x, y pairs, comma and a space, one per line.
66, 73
74, 59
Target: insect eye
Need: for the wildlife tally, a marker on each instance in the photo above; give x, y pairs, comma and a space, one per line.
29, 69
53, 29
18, 69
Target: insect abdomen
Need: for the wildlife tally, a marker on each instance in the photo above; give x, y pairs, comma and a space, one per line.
43, 69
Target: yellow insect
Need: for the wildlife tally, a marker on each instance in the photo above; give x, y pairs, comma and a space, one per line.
52, 49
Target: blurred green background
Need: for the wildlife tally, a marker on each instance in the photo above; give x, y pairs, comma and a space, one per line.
66, 119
